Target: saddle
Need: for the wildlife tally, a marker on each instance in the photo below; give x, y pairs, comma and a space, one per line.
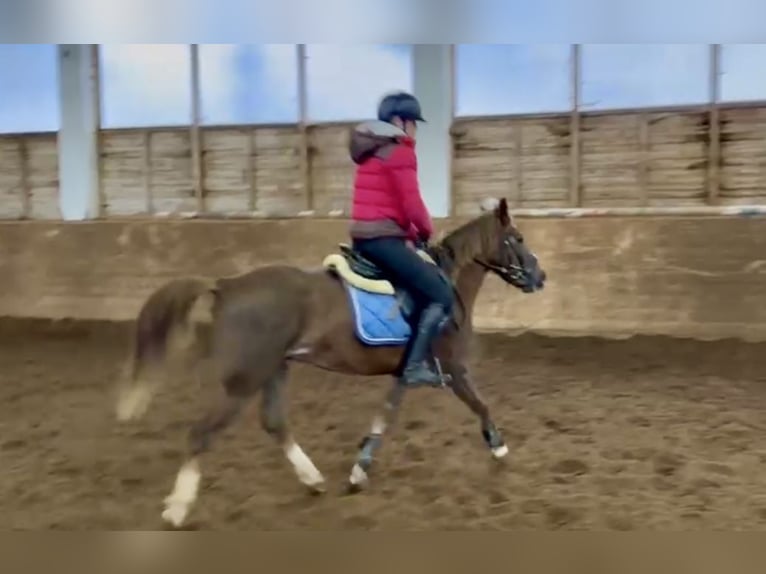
360, 265
361, 272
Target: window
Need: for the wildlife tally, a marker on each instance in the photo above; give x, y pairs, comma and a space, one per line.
145, 85
743, 72
644, 75
346, 82
496, 79
29, 100
248, 83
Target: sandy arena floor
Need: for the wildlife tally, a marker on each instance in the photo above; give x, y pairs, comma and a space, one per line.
646, 433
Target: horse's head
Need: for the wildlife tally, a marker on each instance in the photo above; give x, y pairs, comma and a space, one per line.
506, 253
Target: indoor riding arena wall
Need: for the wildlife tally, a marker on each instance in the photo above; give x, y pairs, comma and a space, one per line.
703, 278
688, 276
637, 402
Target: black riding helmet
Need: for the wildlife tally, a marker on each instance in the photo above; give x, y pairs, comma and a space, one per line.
401, 104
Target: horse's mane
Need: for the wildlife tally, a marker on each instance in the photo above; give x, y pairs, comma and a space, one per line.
461, 245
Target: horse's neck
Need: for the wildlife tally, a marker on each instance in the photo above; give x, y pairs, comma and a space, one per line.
469, 279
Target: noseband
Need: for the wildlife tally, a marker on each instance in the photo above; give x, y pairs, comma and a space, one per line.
511, 272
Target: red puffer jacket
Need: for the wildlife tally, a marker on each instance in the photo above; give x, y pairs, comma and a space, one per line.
387, 200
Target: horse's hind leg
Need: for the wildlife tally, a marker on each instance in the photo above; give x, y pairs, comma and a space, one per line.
274, 422
179, 503
242, 375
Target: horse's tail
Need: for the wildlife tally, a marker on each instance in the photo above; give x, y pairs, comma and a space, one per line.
163, 325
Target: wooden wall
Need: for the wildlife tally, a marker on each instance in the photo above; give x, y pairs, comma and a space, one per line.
639, 158
29, 177
244, 169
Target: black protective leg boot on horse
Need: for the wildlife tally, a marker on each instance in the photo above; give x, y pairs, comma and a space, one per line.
417, 370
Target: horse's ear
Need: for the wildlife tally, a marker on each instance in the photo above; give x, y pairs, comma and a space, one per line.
502, 212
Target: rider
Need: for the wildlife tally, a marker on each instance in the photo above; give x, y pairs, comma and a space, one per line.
389, 216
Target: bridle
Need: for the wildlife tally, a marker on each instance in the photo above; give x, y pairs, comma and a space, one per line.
514, 273
443, 255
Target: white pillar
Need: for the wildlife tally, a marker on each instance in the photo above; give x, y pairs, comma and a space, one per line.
77, 141
432, 84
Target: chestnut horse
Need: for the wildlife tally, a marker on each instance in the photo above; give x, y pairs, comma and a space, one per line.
261, 321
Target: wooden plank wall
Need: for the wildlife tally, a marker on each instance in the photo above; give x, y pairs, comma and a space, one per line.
638, 158
29, 176
243, 169
525, 160
641, 158
743, 156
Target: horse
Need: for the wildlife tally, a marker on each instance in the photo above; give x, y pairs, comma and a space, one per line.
261, 321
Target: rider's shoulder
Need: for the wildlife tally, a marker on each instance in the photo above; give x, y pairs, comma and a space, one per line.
380, 129
404, 151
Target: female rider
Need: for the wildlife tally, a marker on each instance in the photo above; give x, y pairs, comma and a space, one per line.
388, 214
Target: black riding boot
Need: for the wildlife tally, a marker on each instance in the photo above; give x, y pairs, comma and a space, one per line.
416, 370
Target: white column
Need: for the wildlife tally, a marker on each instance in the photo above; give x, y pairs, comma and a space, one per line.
77, 141
432, 84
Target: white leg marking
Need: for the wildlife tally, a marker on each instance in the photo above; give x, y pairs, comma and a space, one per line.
500, 451
358, 475
179, 502
299, 351
378, 425
133, 402
307, 473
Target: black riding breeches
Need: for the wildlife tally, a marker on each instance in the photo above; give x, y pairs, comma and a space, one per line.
405, 269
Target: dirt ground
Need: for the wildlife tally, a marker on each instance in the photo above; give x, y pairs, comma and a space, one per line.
645, 433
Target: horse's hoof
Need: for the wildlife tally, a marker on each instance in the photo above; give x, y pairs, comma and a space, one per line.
175, 514
499, 452
358, 479
317, 489
352, 488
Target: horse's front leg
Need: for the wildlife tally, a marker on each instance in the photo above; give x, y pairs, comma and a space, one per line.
372, 441
466, 391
